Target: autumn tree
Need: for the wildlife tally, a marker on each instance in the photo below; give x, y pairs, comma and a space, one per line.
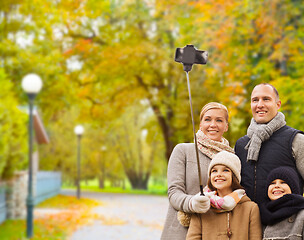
100, 160
13, 125
137, 146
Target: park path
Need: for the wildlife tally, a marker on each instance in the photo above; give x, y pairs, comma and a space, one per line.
124, 216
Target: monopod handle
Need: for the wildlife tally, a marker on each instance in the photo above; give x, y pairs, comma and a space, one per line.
188, 56
194, 136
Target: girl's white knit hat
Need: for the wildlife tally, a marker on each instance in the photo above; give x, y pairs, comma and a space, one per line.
229, 160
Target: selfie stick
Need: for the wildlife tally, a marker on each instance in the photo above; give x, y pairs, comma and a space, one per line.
195, 139
188, 56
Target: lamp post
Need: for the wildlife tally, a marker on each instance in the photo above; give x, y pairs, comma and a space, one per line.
78, 131
31, 84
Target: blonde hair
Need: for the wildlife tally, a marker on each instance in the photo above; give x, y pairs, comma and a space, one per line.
214, 105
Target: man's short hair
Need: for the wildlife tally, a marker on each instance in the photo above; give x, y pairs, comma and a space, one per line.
273, 88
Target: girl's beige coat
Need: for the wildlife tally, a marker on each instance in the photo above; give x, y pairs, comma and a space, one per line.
244, 222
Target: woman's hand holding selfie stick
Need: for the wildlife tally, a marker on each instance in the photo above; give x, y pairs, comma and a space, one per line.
199, 203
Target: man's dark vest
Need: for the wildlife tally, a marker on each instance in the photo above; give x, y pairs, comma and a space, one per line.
274, 152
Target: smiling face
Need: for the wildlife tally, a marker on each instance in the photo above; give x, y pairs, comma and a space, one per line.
277, 189
221, 179
214, 124
264, 103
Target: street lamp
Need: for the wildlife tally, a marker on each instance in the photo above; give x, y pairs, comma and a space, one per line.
78, 130
31, 84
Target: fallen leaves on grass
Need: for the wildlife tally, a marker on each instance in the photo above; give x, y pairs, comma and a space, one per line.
112, 221
69, 202
54, 219
74, 213
150, 225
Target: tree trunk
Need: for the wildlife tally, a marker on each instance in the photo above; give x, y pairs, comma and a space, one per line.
164, 120
166, 130
101, 182
139, 183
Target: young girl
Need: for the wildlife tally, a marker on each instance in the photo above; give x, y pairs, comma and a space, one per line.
183, 181
232, 214
283, 212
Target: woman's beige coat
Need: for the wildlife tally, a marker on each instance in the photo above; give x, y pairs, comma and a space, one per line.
244, 221
183, 183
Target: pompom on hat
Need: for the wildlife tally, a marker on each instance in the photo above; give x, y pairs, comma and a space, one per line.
229, 160
287, 174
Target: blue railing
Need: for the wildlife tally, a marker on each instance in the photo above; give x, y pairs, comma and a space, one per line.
48, 184
2, 204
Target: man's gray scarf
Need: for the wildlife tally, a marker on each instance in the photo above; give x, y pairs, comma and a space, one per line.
258, 133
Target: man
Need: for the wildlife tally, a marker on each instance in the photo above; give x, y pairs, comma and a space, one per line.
269, 143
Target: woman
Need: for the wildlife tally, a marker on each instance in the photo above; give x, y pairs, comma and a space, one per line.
282, 213
182, 175
232, 214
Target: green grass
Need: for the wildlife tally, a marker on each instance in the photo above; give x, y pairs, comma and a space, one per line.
16, 230
92, 185
12, 230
